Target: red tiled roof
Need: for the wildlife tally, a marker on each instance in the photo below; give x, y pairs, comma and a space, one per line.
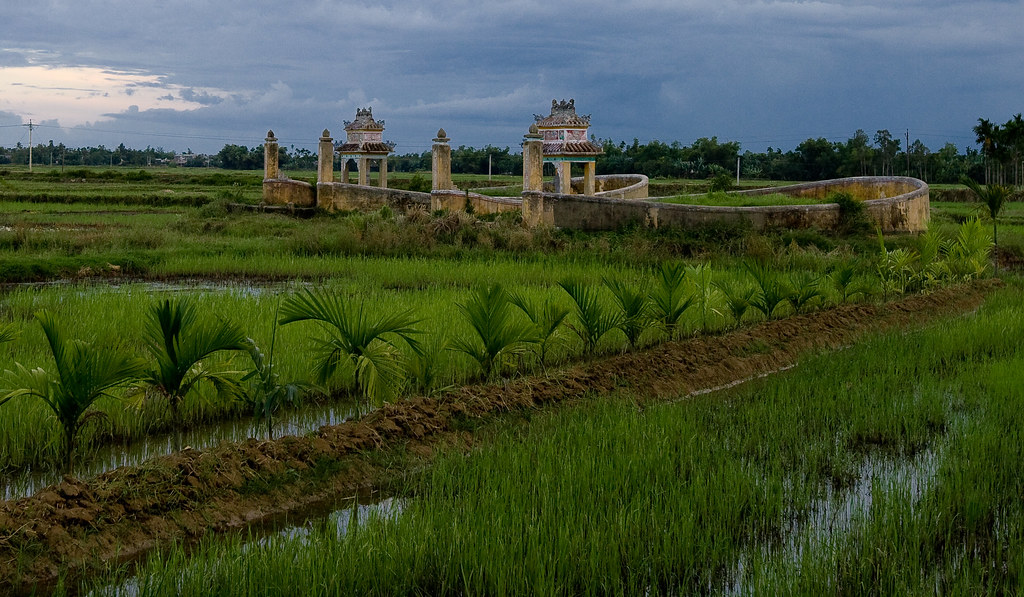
554, 148
369, 147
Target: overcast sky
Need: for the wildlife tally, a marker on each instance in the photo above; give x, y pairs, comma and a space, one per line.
199, 74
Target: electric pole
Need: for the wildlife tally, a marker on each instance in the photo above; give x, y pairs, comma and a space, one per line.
30, 127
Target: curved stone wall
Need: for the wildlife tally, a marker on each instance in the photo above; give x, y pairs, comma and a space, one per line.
611, 186
894, 204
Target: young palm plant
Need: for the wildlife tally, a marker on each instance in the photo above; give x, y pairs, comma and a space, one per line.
771, 291
593, 320
82, 374
804, 290
845, 282
499, 334
634, 310
354, 338
547, 318
668, 297
993, 196
179, 340
737, 300
704, 291
267, 393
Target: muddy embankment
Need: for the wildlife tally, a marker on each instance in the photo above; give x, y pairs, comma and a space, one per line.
121, 514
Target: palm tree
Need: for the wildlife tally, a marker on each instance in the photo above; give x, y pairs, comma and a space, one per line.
668, 297
367, 344
772, 292
498, 334
634, 310
993, 196
594, 320
82, 375
179, 340
547, 318
267, 392
737, 300
985, 135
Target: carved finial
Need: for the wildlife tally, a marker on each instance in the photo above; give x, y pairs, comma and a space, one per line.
326, 134
270, 134
534, 130
441, 134
554, 104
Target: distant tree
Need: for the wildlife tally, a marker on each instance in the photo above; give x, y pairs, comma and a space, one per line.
888, 148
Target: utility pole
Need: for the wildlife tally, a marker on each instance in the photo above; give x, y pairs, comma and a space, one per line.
488, 167
30, 127
737, 170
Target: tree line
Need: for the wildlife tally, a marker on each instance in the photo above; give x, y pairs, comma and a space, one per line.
1000, 158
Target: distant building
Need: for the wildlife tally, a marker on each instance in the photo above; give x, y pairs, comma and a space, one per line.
565, 141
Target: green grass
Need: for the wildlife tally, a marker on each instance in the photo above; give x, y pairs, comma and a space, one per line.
670, 498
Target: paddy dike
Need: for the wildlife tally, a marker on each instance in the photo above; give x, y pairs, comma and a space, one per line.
78, 525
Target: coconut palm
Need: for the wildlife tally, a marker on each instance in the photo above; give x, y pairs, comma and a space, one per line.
772, 292
593, 319
498, 334
547, 318
668, 297
993, 196
180, 340
357, 339
267, 393
81, 375
634, 310
737, 300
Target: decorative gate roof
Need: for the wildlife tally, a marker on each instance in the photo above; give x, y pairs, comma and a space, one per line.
364, 136
565, 133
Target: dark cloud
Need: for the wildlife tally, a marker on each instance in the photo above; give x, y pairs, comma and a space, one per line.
765, 72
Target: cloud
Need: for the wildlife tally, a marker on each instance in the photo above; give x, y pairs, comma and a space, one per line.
745, 69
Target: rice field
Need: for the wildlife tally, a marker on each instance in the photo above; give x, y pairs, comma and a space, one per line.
888, 468
891, 467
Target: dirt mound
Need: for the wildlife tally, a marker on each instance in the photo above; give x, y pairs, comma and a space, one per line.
123, 513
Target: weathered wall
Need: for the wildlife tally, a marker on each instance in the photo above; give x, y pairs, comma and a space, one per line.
907, 211
338, 196
480, 204
611, 186
284, 191
621, 186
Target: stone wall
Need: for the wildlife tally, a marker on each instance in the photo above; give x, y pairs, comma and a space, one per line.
339, 196
479, 204
906, 211
611, 186
284, 191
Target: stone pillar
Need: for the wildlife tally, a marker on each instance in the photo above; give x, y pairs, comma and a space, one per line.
441, 163
364, 171
325, 165
270, 164
533, 160
589, 174
384, 172
564, 170
344, 170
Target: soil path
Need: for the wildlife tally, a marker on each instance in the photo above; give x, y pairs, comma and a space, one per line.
119, 515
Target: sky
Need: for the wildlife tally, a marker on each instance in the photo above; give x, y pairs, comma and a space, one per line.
196, 75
